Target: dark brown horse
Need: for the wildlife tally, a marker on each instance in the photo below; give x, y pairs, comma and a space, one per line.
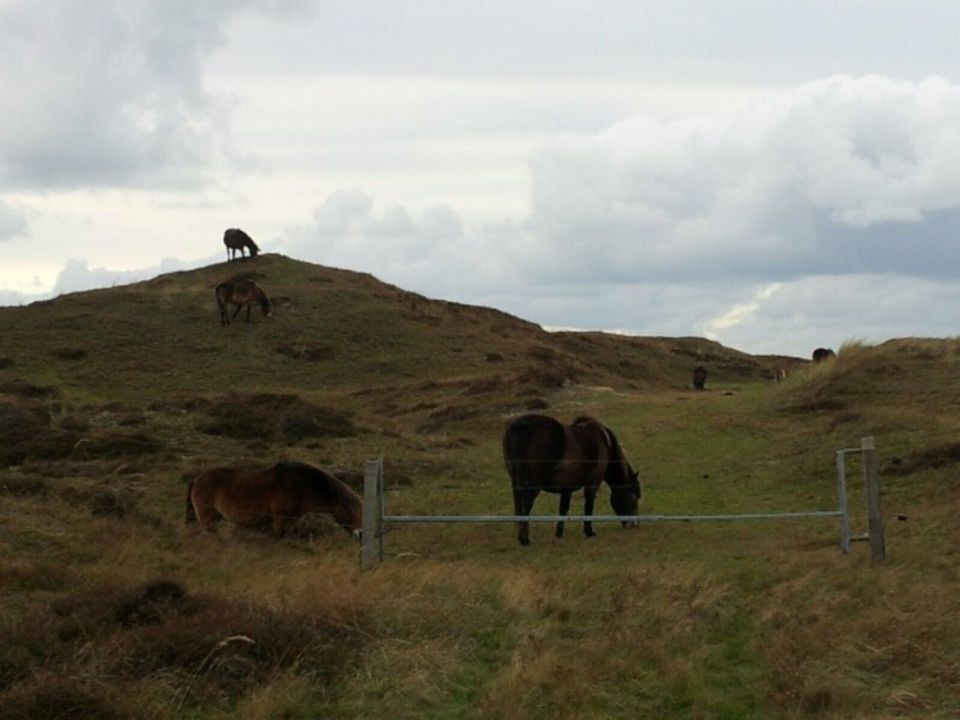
271, 498
543, 454
237, 240
699, 377
821, 354
241, 293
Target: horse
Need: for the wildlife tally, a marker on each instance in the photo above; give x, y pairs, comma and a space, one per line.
780, 374
699, 377
241, 293
236, 239
541, 453
821, 354
271, 498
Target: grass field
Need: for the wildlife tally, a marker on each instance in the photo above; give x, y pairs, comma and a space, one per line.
111, 608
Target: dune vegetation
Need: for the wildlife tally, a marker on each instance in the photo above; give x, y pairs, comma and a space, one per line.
110, 607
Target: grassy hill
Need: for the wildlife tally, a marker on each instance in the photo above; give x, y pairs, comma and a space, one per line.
110, 608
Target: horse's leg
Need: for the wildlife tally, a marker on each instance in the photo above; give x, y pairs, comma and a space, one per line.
522, 505
237, 311
564, 509
589, 496
248, 312
279, 525
207, 519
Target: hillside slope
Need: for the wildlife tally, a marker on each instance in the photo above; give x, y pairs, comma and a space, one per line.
330, 329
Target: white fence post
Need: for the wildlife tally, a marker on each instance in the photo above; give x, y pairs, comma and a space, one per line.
842, 502
871, 477
371, 547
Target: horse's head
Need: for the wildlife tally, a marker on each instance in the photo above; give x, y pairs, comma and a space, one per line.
623, 480
625, 496
265, 304
349, 511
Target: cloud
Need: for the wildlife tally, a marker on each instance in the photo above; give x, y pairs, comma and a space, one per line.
830, 310
739, 313
426, 251
13, 222
77, 275
111, 93
837, 176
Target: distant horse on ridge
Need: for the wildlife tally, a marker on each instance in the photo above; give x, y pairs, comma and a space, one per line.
237, 240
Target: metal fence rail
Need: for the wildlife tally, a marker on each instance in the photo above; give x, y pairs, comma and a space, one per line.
606, 518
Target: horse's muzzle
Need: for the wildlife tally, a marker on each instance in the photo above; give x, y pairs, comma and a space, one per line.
357, 535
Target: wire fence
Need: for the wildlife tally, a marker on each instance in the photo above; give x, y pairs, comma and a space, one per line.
376, 519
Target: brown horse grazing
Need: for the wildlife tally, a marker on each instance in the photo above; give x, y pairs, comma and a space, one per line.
241, 293
821, 354
543, 454
237, 240
699, 377
271, 498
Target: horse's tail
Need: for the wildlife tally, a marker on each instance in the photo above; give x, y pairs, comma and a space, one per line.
191, 516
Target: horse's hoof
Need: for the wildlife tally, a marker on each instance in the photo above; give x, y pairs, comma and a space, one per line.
524, 541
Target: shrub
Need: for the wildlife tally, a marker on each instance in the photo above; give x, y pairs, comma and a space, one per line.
269, 417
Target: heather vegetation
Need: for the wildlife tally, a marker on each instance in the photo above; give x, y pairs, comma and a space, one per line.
111, 608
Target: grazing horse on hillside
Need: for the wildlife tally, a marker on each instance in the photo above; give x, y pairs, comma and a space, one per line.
821, 354
543, 454
271, 498
241, 293
699, 377
236, 239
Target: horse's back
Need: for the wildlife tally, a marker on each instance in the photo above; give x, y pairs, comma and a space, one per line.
234, 237
533, 438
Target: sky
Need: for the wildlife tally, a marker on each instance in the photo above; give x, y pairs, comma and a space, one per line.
775, 175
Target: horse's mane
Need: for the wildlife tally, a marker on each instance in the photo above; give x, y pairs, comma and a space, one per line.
613, 444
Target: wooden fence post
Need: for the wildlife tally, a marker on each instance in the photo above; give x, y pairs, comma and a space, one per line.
871, 477
370, 546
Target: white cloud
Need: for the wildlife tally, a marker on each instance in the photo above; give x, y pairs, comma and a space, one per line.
739, 313
815, 180
111, 93
826, 311
13, 223
77, 275
430, 251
